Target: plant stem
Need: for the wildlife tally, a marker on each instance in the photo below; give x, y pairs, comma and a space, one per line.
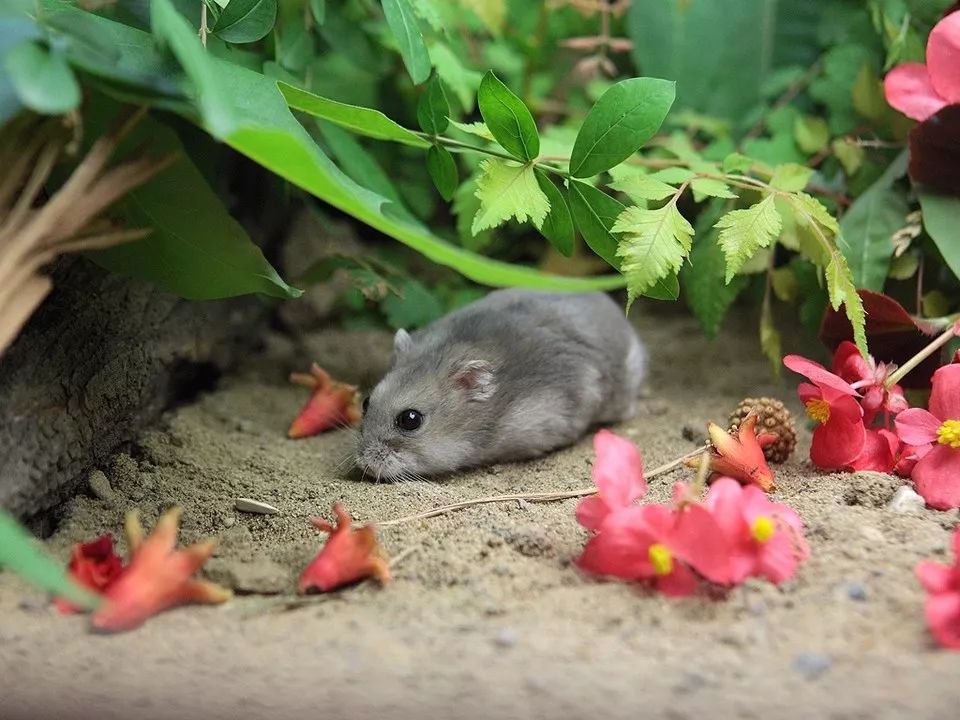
929, 350
203, 23
532, 497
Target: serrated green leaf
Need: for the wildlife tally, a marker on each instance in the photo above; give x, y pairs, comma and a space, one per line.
406, 32
20, 553
841, 290
508, 190
868, 227
41, 79
558, 225
673, 175
624, 118
245, 21
466, 205
735, 162
744, 232
654, 244
361, 120
433, 110
443, 171
666, 288
791, 177
508, 118
940, 219
710, 187
478, 128
638, 187
811, 133
462, 81
595, 213
809, 205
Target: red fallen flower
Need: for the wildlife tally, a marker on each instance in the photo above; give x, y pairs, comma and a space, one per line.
868, 377
158, 577
618, 475
348, 556
93, 565
740, 457
881, 452
331, 404
942, 583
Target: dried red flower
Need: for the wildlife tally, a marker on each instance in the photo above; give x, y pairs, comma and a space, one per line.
93, 565
348, 556
741, 456
158, 576
331, 404
942, 583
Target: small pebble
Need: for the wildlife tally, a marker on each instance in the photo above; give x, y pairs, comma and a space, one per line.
523, 504
507, 637
811, 665
100, 485
255, 506
856, 591
906, 500
229, 521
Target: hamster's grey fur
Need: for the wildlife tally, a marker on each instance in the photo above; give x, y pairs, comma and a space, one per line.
511, 376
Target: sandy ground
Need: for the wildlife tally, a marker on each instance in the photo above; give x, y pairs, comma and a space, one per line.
486, 618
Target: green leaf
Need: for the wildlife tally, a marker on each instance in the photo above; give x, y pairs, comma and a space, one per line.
704, 287
246, 110
673, 175
666, 288
868, 227
849, 153
443, 171
244, 21
710, 187
406, 32
558, 225
623, 119
654, 245
743, 232
432, 108
639, 187
508, 118
595, 213
358, 164
941, 216
811, 133
20, 553
462, 81
318, 8
791, 177
41, 79
507, 189
737, 163
416, 306
841, 290
195, 249
361, 120
478, 128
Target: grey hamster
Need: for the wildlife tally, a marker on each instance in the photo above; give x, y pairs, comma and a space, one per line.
511, 376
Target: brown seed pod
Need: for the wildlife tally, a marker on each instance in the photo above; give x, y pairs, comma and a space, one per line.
772, 417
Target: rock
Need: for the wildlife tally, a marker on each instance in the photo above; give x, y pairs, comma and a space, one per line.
249, 505
906, 500
857, 592
100, 486
507, 637
811, 665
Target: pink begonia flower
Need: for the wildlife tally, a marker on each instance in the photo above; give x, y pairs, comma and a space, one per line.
880, 452
937, 474
840, 436
618, 475
942, 583
868, 377
765, 538
919, 91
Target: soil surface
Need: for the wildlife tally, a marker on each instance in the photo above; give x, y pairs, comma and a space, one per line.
486, 617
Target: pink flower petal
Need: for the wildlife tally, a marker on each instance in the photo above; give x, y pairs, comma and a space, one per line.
680, 583
807, 392
591, 512
698, 539
945, 398
943, 58
618, 469
837, 442
879, 452
909, 90
916, 426
935, 577
849, 364
818, 374
723, 501
778, 559
943, 618
937, 477
844, 407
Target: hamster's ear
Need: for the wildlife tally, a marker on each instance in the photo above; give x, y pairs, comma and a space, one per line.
402, 342
476, 379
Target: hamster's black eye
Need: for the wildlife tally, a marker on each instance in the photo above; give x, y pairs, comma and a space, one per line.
409, 420
366, 405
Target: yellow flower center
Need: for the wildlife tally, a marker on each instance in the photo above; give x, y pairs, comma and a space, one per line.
763, 529
818, 410
661, 559
949, 433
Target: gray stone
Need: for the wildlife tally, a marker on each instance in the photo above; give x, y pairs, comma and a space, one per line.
811, 665
507, 637
100, 486
906, 500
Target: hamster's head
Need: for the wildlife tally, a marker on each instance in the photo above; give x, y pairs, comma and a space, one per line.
427, 415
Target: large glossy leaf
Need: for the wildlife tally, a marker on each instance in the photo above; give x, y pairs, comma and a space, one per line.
195, 248
433, 110
247, 111
941, 218
20, 553
406, 32
41, 79
443, 171
869, 225
361, 120
623, 119
508, 118
595, 213
244, 21
558, 225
